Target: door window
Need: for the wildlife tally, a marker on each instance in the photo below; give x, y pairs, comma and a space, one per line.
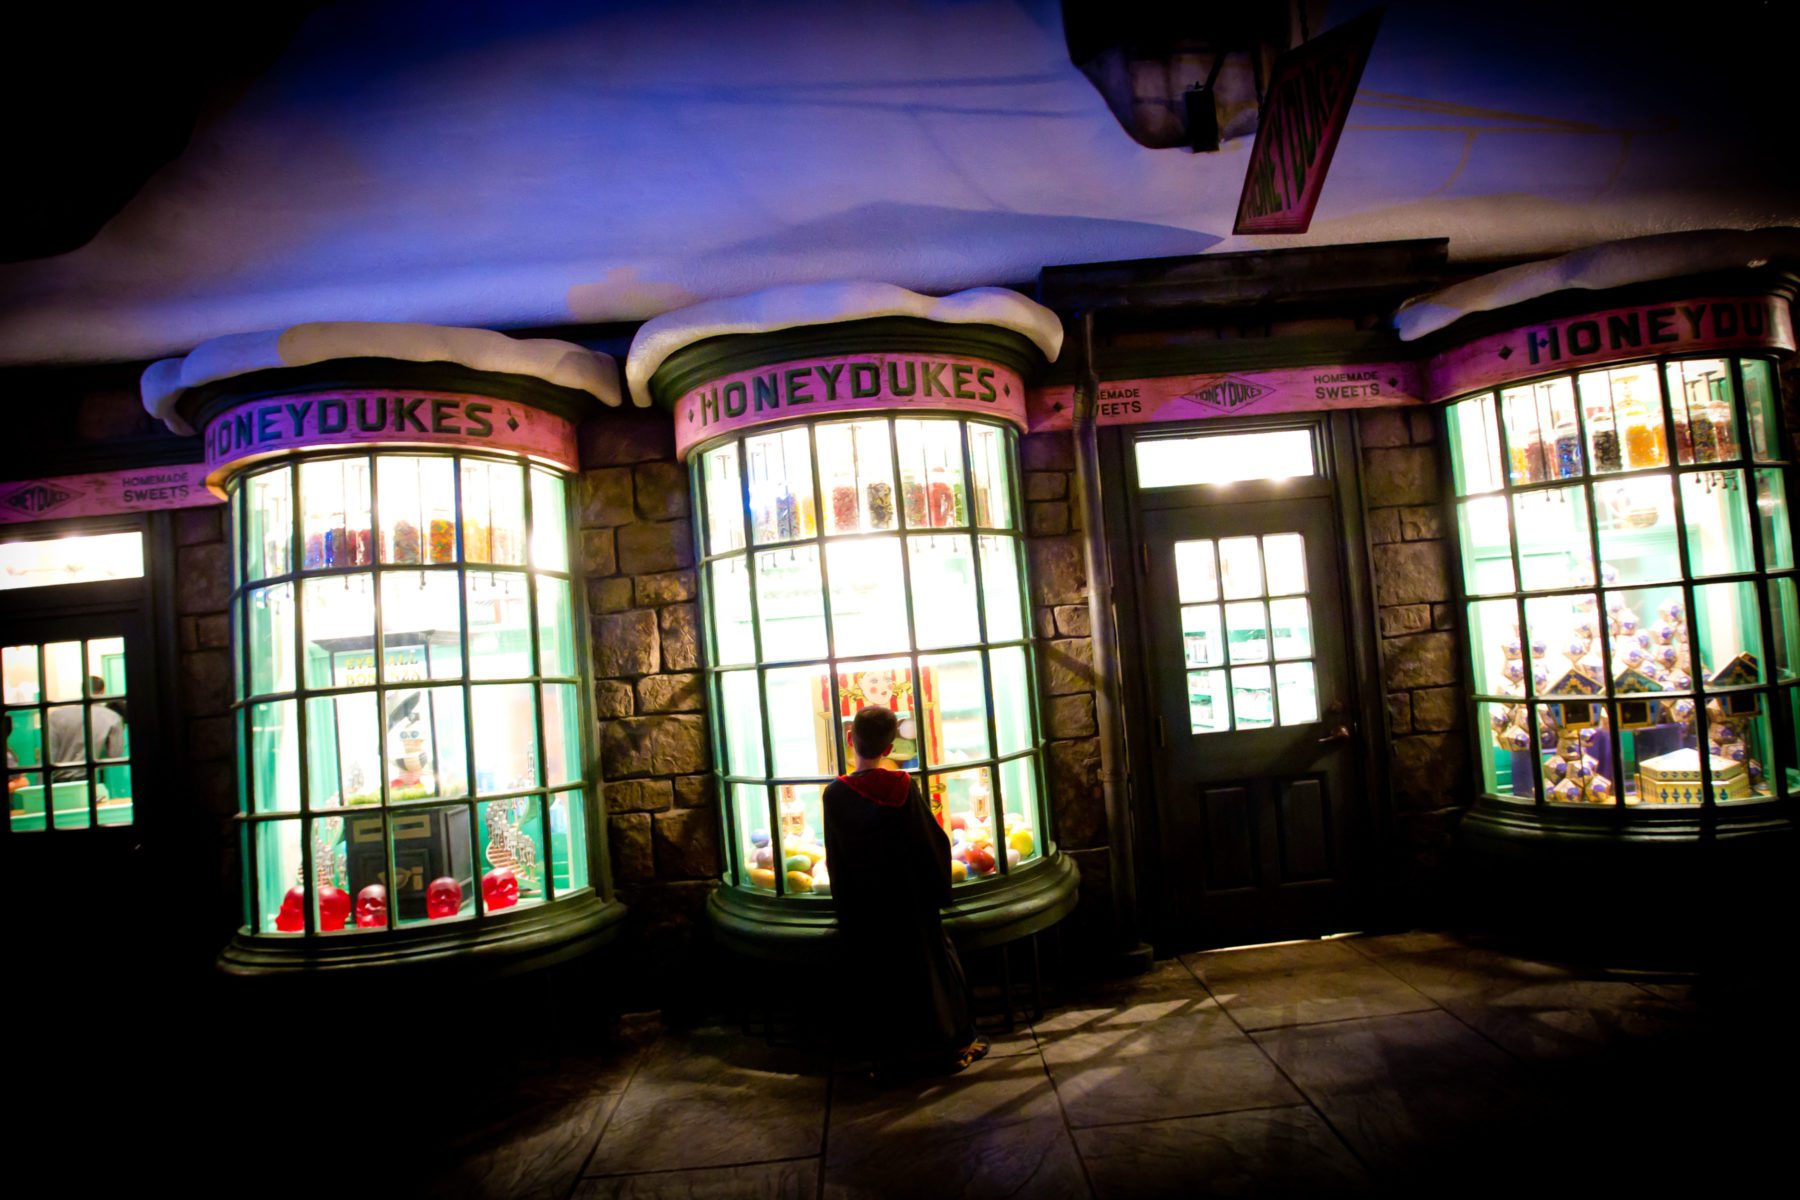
68, 739
1246, 631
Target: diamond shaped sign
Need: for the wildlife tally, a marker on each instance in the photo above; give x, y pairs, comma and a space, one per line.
38, 498
1227, 393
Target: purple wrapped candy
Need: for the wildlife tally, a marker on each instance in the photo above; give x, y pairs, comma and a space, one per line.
1600, 789
1578, 648
1515, 739
1682, 681
1668, 656
1736, 753
1499, 718
1634, 657
1725, 734
1539, 647
1540, 678
1513, 670
1628, 621
1663, 632
1589, 736
1683, 710
1609, 574
1556, 769
1754, 771
1584, 629
1672, 612
1568, 792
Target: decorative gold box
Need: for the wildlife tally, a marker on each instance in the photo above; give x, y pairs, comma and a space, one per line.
1674, 778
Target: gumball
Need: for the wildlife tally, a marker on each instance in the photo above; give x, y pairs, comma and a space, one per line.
1012, 858
499, 888
371, 907
764, 857
799, 881
292, 917
334, 908
958, 821
814, 853
980, 860
797, 862
821, 879
958, 872
1021, 841
959, 852
443, 898
762, 877
759, 837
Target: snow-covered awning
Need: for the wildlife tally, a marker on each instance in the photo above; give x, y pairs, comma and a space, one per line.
561, 363
830, 304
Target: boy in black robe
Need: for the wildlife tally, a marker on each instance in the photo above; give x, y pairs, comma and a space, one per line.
890, 871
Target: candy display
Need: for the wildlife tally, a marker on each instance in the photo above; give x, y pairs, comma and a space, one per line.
499, 889
443, 898
372, 907
292, 916
334, 908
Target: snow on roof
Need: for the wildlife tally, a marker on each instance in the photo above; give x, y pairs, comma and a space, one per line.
827, 304
1608, 265
562, 363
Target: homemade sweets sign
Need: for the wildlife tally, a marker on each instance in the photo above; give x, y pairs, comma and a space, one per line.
1235, 393
104, 493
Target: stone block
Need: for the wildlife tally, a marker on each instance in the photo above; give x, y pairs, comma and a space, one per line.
680, 624
670, 587
625, 643
620, 437
211, 737
1069, 666
639, 795
202, 578
1047, 519
678, 745
1421, 523
1407, 618
609, 595
1047, 451
661, 490
625, 747
1430, 771
1046, 485
1384, 427
649, 547
213, 631
205, 682
696, 791
1437, 709
1057, 573
687, 843
1411, 573
612, 698
1399, 707
1071, 716
606, 497
1043, 622
670, 693
1073, 620
597, 554
1443, 616
188, 630
1424, 425
1077, 810
196, 525
1419, 660
1399, 476
628, 837
1384, 526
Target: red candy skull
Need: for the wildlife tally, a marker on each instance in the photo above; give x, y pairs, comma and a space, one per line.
334, 908
443, 898
292, 917
500, 888
371, 907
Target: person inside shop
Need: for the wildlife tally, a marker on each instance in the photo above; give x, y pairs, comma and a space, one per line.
890, 872
64, 728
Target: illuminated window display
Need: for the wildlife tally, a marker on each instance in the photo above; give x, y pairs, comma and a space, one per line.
408, 691
68, 735
1628, 567
869, 560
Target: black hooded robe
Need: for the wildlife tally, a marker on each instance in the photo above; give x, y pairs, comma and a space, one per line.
890, 872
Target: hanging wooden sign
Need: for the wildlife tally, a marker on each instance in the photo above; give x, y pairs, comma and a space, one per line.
1234, 393
104, 493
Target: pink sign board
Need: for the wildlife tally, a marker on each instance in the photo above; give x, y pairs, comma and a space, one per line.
367, 417
104, 493
847, 383
1234, 393
1613, 335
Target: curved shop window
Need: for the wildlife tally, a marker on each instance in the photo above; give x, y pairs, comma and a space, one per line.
1628, 568
871, 560
408, 691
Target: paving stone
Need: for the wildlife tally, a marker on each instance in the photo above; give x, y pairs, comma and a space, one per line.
1384, 427
1429, 770
1399, 706
1043, 622
1272, 1152
680, 631
678, 745
1302, 983
647, 548
205, 682
213, 631
794, 1179
196, 525
696, 791
1405, 618
1436, 709
1424, 523
1384, 525
1076, 806
1419, 660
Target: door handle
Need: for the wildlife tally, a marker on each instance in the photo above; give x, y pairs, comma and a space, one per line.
1340, 734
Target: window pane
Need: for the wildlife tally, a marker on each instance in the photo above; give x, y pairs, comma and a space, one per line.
427, 744
1018, 789
271, 532
568, 842
1001, 594
724, 499
857, 468
1500, 653
955, 708
801, 747
65, 674
334, 506
728, 589
1650, 638
1240, 565
1738, 733
1542, 439
868, 595
1298, 693
1553, 538
493, 505
343, 761
1203, 641
505, 737
20, 669
80, 558
1705, 427
549, 521
1730, 628
993, 480
1623, 409
275, 756
1246, 632
235, 505
756, 852
1772, 511
512, 853
68, 740
25, 801
562, 734
888, 683
966, 798
418, 509
421, 625
1571, 630
1284, 557
350, 862
1224, 458
1784, 611
790, 604
24, 739
1208, 709
1474, 446
1196, 573
1637, 529
499, 625
271, 638
1252, 698
434, 864
943, 589
1484, 533
340, 630
1759, 401
106, 664
1718, 527
280, 896
1012, 698
800, 809
70, 800
781, 486
1290, 624
113, 804
931, 473
556, 627
1577, 764
741, 712
1506, 750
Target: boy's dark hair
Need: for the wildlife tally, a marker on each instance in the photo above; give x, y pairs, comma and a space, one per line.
873, 731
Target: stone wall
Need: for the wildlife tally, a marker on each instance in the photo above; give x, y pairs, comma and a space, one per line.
649, 692
1412, 555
